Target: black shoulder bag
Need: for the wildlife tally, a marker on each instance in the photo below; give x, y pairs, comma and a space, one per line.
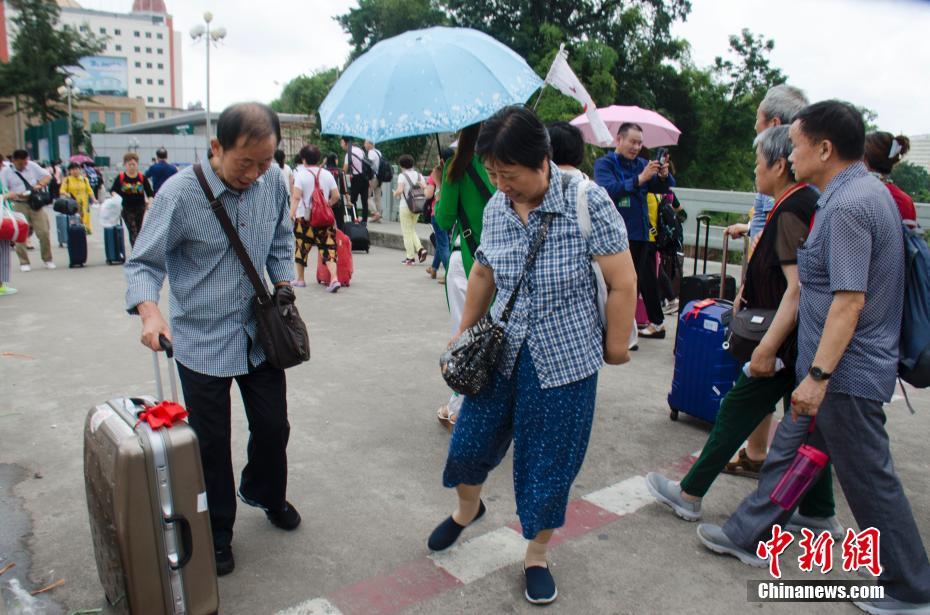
281, 332
38, 197
468, 364
464, 226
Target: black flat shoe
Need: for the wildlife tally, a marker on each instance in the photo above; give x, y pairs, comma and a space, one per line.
225, 563
447, 532
540, 586
287, 518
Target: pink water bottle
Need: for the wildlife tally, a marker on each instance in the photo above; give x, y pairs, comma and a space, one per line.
807, 464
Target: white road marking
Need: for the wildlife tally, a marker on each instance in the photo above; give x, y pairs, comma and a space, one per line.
624, 497
317, 606
480, 556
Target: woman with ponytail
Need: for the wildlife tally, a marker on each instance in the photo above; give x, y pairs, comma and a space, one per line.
882, 152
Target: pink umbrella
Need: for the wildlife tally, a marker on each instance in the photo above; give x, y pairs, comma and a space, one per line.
81, 158
657, 131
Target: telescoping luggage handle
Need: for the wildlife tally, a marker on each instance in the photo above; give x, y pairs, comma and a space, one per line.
697, 241
723, 258
169, 351
177, 558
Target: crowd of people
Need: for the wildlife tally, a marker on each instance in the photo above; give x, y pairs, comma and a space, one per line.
517, 229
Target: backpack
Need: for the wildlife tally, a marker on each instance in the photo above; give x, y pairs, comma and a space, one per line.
321, 214
94, 177
670, 235
584, 225
914, 346
367, 169
415, 196
385, 172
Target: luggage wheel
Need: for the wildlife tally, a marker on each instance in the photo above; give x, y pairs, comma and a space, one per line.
673, 414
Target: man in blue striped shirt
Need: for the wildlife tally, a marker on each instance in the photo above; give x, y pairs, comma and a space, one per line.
211, 314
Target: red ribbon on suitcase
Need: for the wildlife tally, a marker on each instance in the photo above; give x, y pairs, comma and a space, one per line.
164, 414
697, 307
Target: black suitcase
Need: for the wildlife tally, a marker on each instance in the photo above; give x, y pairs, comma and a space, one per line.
706, 285
357, 232
77, 242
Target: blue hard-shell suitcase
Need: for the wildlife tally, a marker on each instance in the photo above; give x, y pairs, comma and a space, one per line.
61, 224
77, 242
114, 244
704, 371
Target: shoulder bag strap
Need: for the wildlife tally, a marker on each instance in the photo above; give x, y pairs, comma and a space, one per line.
463, 220
261, 292
27, 184
479, 183
530, 259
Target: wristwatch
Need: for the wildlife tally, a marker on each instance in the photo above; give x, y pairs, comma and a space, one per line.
818, 374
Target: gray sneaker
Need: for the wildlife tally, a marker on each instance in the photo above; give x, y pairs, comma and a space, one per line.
714, 539
669, 493
890, 606
816, 525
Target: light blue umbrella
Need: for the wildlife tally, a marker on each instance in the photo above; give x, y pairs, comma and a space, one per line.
426, 81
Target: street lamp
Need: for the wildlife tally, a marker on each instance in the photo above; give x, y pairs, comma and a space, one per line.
68, 89
209, 36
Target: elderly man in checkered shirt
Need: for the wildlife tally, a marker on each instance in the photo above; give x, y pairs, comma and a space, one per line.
851, 269
214, 330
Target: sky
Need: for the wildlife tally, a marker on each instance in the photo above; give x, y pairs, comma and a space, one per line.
874, 53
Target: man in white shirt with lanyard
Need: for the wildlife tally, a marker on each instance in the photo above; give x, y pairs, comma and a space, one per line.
358, 182
374, 156
20, 179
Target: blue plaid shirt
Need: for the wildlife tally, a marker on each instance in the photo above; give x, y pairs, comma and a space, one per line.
556, 310
210, 296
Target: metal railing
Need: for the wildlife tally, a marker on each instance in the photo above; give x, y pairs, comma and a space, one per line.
696, 201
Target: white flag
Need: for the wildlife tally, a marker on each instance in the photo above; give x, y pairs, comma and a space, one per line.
563, 78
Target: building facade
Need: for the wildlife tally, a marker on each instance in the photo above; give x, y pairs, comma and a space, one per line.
141, 60
920, 151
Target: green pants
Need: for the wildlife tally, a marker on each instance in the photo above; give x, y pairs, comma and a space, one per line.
742, 409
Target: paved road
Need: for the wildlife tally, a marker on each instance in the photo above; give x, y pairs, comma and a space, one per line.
366, 454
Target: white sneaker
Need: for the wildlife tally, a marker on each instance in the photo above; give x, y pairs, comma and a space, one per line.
25, 268
49, 265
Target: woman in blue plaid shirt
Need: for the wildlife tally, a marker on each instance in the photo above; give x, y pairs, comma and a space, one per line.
542, 395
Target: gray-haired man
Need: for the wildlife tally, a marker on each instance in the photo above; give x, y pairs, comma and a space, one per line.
851, 269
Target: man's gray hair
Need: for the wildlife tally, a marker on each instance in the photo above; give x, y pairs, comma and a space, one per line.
782, 102
774, 145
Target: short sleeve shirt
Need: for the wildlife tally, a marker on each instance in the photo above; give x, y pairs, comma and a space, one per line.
33, 174
358, 154
404, 184
374, 156
304, 178
856, 244
556, 312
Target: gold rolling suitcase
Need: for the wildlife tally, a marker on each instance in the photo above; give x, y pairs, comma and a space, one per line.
148, 509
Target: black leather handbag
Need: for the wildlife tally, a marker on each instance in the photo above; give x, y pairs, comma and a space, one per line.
281, 331
468, 364
39, 196
745, 330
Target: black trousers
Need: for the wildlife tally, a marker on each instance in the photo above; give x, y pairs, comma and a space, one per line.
644, 258
339, 211
264, 478
359, 187
132, 217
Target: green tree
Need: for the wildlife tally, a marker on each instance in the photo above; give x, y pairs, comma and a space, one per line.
913, 179
42, 53
375, 20
716, 111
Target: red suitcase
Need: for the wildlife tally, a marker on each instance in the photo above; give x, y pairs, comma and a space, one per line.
344, 266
